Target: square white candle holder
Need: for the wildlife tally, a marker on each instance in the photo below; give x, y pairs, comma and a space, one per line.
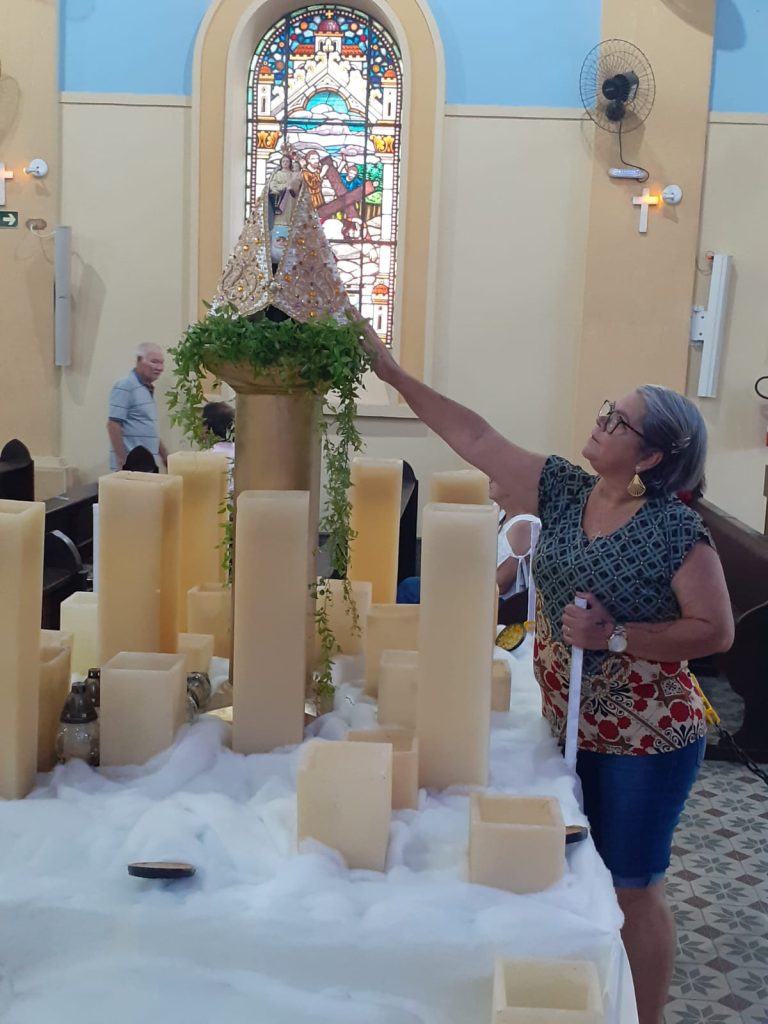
405, 762
344, 795
197, 649
516, 843
209, 611
389, 627
398, 688
501, 685
546, 992
143, 705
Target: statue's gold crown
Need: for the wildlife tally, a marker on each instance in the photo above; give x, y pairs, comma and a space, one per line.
306, 285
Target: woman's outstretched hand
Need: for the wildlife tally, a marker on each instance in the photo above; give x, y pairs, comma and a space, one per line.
384, 366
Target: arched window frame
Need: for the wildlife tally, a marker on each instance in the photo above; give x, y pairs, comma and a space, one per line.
226, 42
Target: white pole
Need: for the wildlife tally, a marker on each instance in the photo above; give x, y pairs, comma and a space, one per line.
574, 700
95, 556
535, 530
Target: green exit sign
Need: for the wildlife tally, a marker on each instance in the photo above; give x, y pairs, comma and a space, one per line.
9, 219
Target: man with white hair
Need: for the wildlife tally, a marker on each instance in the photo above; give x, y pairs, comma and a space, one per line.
132, 410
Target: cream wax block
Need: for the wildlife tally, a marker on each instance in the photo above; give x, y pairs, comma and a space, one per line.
139, 545
205, 479
398, 684
345, 799
375, 496
209, 610
21, 588
55, 675
405, 762
460, 487
458, 572
389, 627
340, 619
143, 705
55, 637
516, 843
546, 992
501, 685
79, 616
273, 619
197, 649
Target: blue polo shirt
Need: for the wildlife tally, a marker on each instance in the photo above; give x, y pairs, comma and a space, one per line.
132, 405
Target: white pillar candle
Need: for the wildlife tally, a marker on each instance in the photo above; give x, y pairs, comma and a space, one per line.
535, 531
203, 510
405, 762
273, 619
209, 610
455, 652
344, 795
55, 675
501, 685
375, 496
398, 688
21, 590
140, 527
389, 627
555, 991
340, 620
516, 843
197, 649
79, 616
460, 487
142, 706
95, 554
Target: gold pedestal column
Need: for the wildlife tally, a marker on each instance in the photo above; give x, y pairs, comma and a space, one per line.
277, 448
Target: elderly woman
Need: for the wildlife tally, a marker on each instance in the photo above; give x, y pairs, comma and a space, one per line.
656, 597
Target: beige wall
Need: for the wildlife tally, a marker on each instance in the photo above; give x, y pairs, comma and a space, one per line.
29, 128
638, 288
125, 193
735, 220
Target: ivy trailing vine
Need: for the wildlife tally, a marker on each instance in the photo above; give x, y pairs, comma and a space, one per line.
325, 358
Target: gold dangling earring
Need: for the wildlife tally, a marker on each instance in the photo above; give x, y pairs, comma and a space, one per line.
636, 488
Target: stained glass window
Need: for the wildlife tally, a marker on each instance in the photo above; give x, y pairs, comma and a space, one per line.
326, 83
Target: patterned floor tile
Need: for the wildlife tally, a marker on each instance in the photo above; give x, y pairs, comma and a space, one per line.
752, 984
721, 889
693, 948
695, 981
755, 1015
736, 920
708, 864
746, 950
694, 1011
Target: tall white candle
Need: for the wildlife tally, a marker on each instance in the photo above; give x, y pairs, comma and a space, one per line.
55, 657
209, 610
140, 526
535, 530
574, 700
390, 627
460, 487
21, 590
95, 555
375, 495
202, 520
340, 619
274, 619
458, 579
79, 616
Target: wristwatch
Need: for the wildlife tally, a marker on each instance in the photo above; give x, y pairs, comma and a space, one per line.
617, 641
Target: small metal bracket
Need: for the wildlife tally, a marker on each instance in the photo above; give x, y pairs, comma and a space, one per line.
698, 320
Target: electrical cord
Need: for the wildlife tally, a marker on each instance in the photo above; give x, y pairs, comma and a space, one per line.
635, 167
759, 393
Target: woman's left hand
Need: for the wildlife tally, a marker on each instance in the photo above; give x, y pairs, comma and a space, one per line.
588, 628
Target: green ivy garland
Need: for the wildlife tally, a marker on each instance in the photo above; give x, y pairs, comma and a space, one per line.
321, 356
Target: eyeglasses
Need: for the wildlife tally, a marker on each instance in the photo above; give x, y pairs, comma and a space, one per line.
609, 420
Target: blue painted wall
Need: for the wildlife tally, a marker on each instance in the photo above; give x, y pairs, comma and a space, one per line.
505, 52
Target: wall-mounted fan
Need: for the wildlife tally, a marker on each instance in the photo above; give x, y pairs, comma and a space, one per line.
618, 89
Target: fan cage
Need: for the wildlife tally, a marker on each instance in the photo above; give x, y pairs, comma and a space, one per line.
614, 57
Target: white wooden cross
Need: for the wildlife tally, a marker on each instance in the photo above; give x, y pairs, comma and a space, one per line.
644, 201
4, 176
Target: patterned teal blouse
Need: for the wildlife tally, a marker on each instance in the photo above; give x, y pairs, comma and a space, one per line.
628, 705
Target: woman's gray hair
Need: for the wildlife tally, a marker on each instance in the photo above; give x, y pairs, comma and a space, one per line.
673, 425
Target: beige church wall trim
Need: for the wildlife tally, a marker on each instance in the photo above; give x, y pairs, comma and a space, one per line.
225, 44
116, 99
512, 113
638, 289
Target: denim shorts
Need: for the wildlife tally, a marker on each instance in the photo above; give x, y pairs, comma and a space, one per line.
633, 803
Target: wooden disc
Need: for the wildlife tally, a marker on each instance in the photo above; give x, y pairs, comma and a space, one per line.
575, 833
